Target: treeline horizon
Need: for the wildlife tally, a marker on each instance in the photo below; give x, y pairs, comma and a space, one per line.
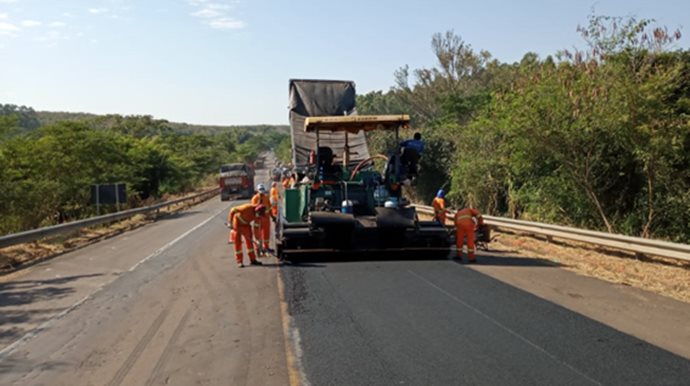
48, 162
597, 138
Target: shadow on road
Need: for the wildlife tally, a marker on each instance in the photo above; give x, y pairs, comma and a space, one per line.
17, 299
20, 292
11, 365
178, 215
308, 259
512, 261
491, 258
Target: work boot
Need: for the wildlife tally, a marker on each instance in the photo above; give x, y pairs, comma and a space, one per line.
256, 262
240, 265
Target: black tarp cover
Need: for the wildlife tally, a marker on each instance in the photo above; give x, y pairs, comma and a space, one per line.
313, 98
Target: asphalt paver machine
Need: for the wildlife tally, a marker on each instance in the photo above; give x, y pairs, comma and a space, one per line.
341, 203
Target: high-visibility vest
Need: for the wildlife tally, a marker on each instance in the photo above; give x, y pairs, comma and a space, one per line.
466, 214
275, 196
262, 199
439, 205
242, 215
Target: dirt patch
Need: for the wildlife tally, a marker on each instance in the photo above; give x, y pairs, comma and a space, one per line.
23, 255
668, 277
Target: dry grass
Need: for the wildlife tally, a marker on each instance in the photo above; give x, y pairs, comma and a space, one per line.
21, 255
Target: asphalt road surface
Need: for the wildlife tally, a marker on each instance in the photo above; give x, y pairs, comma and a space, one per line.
162, 305
441, 323
166, 305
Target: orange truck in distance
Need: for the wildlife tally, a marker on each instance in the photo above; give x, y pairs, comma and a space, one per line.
236, 181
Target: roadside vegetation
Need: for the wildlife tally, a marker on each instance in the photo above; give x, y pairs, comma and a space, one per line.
50, 160
596, 138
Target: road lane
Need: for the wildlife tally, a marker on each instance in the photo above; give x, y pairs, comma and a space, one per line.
437, 322
154, 312
32, 298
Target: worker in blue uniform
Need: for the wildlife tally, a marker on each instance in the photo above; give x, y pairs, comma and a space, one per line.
410, 152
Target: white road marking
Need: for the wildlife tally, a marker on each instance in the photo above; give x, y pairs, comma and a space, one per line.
293, 342
506, 329
168, 245
48, 323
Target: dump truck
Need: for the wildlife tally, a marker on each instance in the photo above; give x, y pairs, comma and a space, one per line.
236, 181
341, 203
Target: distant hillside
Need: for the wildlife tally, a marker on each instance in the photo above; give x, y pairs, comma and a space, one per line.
109, 120
24, 119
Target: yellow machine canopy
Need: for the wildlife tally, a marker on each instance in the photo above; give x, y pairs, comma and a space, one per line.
356, 123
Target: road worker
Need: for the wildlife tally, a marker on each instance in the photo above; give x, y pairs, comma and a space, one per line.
464, 228
410, 152
275, 200
240, 219
288, 181
262, 225
439, 205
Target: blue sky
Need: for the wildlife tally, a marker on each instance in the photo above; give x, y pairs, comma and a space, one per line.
229, 61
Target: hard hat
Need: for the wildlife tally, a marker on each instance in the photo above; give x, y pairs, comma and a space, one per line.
261, 188
346, 206
440, 193
390, 204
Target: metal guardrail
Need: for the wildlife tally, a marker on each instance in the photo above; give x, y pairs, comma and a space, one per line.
611, 240
36, 234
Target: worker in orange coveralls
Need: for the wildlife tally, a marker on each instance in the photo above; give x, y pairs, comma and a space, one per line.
262, 225
275, 199
439, 205
288, 181
240, 219
464, 227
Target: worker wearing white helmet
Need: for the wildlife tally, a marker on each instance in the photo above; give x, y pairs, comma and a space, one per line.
262, 227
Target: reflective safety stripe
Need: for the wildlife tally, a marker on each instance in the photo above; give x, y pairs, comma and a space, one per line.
243, 221
464, 216
250, 250
470, 249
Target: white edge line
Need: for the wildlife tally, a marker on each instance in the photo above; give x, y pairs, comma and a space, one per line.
48, 323
506, 328
170, 244
293, 341
297, 346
